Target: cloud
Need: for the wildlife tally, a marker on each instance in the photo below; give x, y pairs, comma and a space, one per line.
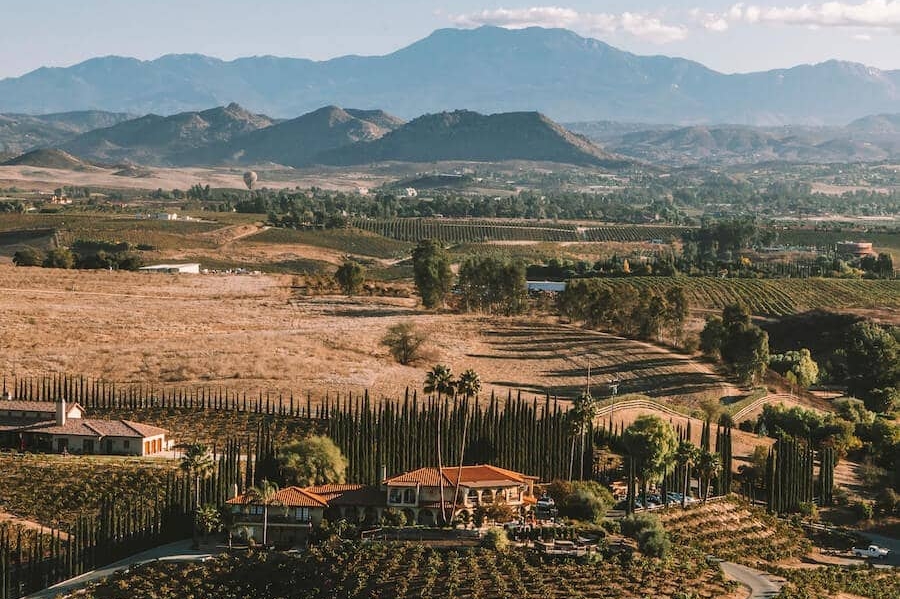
641, 25
870, 14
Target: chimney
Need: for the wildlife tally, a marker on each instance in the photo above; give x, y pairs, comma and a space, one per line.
61, 413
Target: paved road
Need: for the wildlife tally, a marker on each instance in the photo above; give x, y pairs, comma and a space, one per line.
180, 552
893, 558
761, 585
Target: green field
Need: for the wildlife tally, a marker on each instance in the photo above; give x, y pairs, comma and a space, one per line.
473, 231
772, 297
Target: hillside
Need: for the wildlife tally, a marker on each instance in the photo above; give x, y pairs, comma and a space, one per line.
21, 133
867, 140
49, 159
297, 141
488, 69
466, 135
156, 140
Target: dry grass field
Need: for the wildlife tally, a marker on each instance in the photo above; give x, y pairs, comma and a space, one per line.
250, 333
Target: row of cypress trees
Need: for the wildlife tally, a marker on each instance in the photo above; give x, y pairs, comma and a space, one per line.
31, 560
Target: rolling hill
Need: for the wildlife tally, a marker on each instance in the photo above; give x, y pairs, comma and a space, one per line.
488, 69
21, 132
56, 159
296, 142
467, 135
156, 140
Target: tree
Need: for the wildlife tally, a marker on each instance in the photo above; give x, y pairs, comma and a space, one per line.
745, 347
196, 462
350, 276
651, 444
709, 464
208, 520
468, 385
677, 312
28, 257
404, 341
59, 258
712, 336
872, 354
265, 494
490, 284
439, 380
431, 271
797, 366
581, 417
686, 456
312, 461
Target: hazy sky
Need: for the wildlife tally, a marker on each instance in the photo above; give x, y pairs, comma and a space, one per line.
724, 35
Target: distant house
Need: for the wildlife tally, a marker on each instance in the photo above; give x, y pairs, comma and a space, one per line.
60, 427
192, 268
292, 513
857, 249
166, 216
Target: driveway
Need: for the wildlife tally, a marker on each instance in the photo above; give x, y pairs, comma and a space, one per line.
761, 585
178, 552
893, 558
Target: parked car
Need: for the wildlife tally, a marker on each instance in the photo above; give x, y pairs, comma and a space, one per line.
873, 551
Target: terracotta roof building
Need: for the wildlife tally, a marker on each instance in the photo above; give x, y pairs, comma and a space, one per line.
61, 427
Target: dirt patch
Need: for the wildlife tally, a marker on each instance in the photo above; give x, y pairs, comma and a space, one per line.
251, 333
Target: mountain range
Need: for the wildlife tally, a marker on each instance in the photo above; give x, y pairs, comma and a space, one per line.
329, 136
489, 70
870, 139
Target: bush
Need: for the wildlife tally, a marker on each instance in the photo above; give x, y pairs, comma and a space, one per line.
864, 510
888, 502
28, 257
648, 531
394, 517
404, 342
59, 258
496, 539
655, 543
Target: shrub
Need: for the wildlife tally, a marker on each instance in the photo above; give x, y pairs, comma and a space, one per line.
496, 539
28, 257
655, 543
404, 342
888, 502
864, 510
394, 517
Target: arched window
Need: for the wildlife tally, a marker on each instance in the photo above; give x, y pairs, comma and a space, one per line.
409, 496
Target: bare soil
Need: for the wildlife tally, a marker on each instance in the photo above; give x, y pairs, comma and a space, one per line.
251, 333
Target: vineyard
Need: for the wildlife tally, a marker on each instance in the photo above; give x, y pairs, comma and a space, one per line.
55, 490
737, 532
472, 231
861, 581
377, 571
343, 240
771, 297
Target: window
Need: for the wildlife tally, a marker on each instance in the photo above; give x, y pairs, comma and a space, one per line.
302, 514
126, 444
409, 496
473, 496
395, 496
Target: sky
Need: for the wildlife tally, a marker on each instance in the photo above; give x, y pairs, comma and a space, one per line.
724, 35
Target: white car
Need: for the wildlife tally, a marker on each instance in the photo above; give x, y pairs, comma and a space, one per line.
873, 551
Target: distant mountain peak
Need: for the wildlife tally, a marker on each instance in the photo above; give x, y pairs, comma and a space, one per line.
488, 69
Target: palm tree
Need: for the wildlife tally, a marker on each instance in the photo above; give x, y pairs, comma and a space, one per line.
468, 385
708, 465
439, 380
584, 410
197, 462
686, 457
266, 494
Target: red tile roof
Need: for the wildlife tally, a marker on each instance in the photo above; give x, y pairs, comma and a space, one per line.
468, 475
88, 427
46, 407
288, 497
